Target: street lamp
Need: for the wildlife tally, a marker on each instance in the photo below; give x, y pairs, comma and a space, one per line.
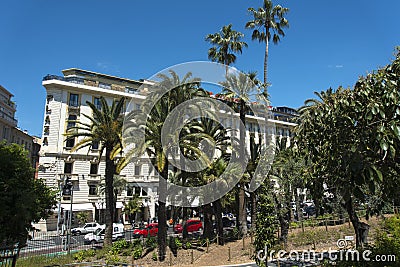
100, 203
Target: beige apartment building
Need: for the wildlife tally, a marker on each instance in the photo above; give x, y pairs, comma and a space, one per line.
65, 107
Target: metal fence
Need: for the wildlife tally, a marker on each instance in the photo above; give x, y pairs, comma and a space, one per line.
52, 244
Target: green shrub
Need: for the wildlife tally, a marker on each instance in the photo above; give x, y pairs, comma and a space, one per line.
84, 254
137, 252
154, 256
112, 258
120, 245
151, 243
188, 245
178, 243
387, 239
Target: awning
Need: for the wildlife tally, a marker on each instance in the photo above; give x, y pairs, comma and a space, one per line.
77, 206
103, 207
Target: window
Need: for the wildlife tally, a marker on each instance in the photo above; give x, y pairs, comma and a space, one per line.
70, 142
92, 190
45, 141
137, 169
129, 191
71, 121
95, 145
97, 102
137, 190
94, 168
155, 189
104, 85
73, 100
68, 167
144, 191
130, 90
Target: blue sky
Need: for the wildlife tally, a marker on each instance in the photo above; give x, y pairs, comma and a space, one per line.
329, 43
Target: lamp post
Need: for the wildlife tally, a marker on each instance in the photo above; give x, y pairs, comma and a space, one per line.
67, 191
100, 202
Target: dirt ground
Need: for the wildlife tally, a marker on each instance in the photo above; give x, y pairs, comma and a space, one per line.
239, 251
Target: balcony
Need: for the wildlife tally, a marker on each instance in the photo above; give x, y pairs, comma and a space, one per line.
74, 110
94, 177
8, 118
122, 87
73, 177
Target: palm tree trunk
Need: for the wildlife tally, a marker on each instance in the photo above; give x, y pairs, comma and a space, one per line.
266, 57
242, 150
253, 197
208, 228
161, 214
109, 194
218, 216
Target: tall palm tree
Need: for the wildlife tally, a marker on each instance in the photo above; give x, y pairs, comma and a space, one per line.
268, 21
150, 121
242, 86
225, 43
105, 128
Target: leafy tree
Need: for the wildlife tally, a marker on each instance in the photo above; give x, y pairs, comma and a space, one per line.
24, 200
268, 21
105, 128
352, 138
225, 43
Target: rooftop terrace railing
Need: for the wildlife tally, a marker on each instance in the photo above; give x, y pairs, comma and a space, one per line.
92, 82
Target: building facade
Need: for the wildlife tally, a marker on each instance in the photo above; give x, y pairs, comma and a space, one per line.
9, 130
65, 107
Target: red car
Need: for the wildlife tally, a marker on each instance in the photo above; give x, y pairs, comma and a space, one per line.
192, 226
150, 230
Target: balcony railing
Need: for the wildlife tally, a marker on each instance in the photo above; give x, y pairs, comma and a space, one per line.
94, 83
8, 118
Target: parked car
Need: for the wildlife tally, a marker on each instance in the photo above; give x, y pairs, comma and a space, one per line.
192, 225
150, 230
87, 228
98, 235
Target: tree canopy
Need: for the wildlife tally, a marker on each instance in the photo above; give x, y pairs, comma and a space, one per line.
352, 138
23, 199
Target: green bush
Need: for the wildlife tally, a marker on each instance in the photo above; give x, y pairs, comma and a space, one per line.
178, 243
188, 245
387, 239
120, 245
112, 258
84, 254
154, 256
137, 252
151, 243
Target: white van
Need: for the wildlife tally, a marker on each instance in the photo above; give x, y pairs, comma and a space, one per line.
98, 235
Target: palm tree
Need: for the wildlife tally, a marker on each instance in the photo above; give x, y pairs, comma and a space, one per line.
242, 86
218, 135
225, 43
105, 128
268, 21
149, 122
132, 207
